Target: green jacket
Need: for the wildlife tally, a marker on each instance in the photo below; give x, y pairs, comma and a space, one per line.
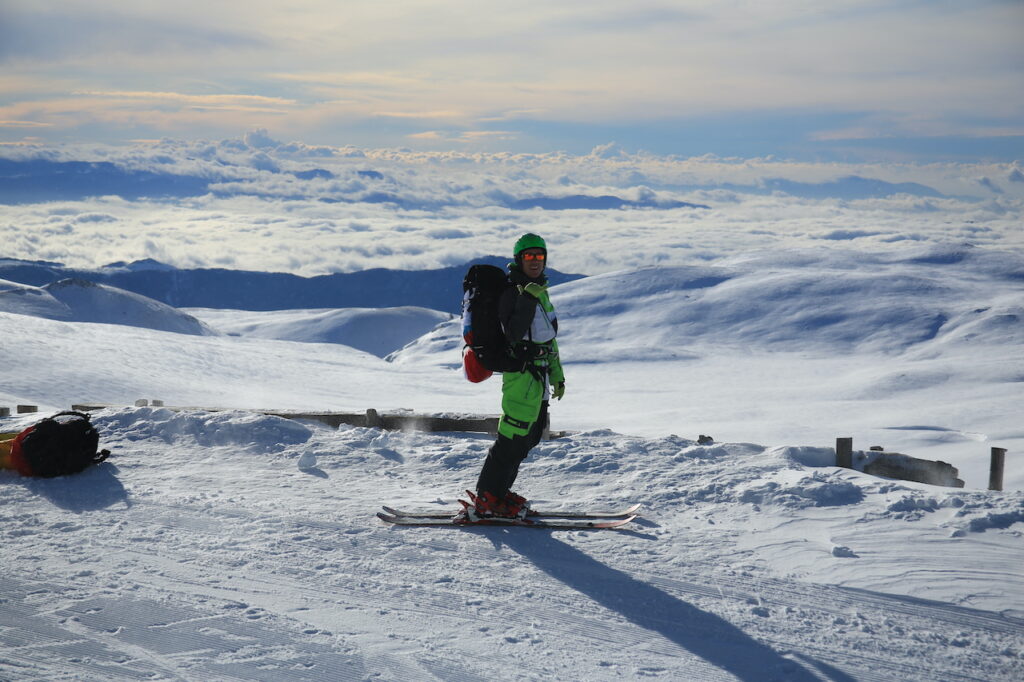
531, 327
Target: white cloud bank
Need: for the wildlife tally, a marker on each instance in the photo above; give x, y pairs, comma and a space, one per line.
261, 204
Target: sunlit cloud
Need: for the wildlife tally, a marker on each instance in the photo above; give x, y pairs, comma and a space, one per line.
190, 99
157, 111
466, 136
344, 79
24, 124
490, 134
421, 114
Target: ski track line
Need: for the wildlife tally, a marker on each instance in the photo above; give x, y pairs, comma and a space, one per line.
816, 600
705, 590
431, 602
250, 588
197, 522
417, 601
140, 638
844, 600
836, 601
45, 653
561, 609
241, 586
466, 605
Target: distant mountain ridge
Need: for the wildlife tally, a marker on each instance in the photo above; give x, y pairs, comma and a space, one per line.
439, 289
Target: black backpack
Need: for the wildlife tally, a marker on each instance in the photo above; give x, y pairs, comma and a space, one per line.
65, 443
486, 350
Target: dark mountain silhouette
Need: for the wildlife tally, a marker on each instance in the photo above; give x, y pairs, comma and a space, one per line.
439, 289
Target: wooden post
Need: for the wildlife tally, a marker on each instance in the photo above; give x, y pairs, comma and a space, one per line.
5, 412
27, 409
995, 472
844, 453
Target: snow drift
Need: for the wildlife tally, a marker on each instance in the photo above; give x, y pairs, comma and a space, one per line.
376, 331
77, 300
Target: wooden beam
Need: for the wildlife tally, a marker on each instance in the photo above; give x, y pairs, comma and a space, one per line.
370, 419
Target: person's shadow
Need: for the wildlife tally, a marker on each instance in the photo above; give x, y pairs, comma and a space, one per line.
703, 634
95, 488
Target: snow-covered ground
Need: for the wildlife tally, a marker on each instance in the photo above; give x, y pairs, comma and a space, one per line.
373, 330
235, 545
203, 551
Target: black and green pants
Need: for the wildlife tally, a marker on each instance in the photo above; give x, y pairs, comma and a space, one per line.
503, 459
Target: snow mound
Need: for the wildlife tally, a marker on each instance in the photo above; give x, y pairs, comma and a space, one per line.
247, 431
78, 300
377, 331
441, 346
1002, 324
816, 490
22, 299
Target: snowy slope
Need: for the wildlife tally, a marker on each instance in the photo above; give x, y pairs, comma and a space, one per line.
378, 331
820, 301
203, 550
79, 300
29, 300
87, 362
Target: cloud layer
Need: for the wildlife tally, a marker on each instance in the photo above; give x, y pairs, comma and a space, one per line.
261, 204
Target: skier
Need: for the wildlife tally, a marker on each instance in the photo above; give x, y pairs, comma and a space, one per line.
530, 325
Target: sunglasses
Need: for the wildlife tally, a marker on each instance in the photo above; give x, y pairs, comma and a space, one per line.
535, 256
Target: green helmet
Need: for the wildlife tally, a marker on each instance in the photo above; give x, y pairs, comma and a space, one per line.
529, 241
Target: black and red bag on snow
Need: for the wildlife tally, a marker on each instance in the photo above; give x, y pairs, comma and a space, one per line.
65, 443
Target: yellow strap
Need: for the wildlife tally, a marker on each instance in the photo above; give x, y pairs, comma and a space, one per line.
5, 451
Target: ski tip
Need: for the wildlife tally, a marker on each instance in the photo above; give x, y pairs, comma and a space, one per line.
416, 520
615, 523
397, 519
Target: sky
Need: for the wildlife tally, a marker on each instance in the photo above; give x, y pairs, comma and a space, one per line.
848, 80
